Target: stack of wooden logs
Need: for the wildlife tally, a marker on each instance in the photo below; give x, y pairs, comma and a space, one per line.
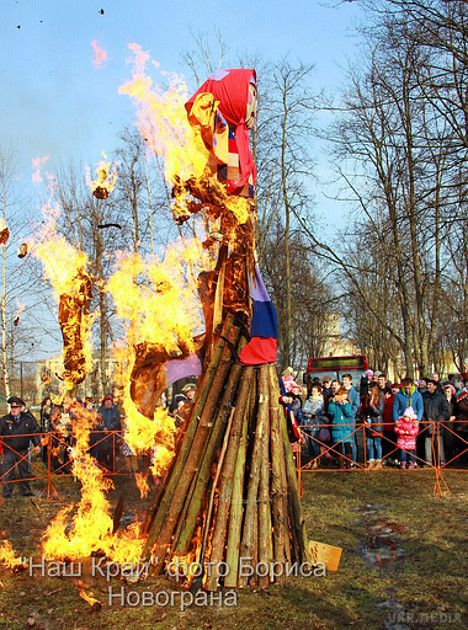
232, 490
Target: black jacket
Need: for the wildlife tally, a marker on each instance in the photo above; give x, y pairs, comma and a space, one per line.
20, 427
435, 406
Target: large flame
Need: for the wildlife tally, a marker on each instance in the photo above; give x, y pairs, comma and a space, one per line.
163, 124
65, 267
60, 259
91, 527
157, 301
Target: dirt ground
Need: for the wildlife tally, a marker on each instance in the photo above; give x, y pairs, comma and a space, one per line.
402, 564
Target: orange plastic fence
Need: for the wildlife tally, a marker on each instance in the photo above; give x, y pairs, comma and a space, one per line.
434, 429
44, 470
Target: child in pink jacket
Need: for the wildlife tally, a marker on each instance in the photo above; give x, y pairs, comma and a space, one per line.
407, 428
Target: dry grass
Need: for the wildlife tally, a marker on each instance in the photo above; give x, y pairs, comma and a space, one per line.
430, 580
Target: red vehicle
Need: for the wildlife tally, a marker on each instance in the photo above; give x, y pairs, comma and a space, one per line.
335, 367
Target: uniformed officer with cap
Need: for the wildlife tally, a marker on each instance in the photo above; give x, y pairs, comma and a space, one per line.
18, 424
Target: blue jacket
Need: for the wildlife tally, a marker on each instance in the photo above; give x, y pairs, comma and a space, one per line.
354, 398
110, 418
343, 421
403, 401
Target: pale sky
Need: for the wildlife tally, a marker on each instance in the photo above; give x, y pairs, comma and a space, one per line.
55, 102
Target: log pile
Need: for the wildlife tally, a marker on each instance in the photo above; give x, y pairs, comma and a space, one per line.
232, 490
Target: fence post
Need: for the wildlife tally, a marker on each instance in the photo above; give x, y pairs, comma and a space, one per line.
364, 443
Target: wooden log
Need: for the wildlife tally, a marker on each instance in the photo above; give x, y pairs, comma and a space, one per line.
264, 513
180, 493
207, 524
183, 514
299, 534
281, 543
151, 512
181, 457
249, 546
237, 510
204, 470
225, 483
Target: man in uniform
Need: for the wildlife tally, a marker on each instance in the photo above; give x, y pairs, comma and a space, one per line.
17, 424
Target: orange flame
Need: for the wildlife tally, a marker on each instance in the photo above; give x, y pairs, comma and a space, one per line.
100, 55
92, 525
106, 178
141, 481
163, 124
148, 295
8, 557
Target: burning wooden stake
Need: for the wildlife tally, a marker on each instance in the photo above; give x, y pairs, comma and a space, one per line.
251, 509
258, 512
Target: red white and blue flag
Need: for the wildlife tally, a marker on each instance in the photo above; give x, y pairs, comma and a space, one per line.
263, 343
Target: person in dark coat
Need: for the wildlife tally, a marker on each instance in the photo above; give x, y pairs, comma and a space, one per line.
14, 430
109, 418
448, 433
435, 409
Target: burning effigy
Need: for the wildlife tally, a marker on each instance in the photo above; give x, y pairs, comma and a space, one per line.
228, 493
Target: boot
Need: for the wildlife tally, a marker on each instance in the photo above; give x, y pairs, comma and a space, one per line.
348, 463
403, 465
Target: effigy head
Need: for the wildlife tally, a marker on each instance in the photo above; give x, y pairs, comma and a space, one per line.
236, 91
233, 93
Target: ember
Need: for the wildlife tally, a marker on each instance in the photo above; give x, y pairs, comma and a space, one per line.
4, 236
106, 179
22, 250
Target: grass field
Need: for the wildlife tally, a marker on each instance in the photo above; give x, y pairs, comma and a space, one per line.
422, 589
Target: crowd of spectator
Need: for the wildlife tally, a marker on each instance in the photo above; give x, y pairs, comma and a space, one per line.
375, 422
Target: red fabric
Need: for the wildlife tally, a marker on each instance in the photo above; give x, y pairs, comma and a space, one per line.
232, 93
259, 350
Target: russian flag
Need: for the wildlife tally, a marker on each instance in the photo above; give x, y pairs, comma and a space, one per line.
263, 343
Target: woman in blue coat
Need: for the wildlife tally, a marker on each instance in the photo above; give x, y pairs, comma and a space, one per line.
340, 411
